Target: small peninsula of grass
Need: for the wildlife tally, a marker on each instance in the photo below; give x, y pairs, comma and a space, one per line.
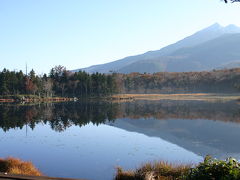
17, 166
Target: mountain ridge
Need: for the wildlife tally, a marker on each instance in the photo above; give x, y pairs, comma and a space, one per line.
158, 60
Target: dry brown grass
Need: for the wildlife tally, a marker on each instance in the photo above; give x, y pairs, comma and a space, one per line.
16, 166
124, 175
189, 96
157, 171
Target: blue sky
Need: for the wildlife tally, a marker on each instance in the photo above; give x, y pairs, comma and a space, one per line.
80, 33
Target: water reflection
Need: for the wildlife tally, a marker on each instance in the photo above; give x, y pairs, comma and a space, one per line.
102, 135
60, 116
63, 115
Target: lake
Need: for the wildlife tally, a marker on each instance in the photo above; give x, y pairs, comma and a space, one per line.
89, 139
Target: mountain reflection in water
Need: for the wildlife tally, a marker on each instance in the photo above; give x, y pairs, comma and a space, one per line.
200, 127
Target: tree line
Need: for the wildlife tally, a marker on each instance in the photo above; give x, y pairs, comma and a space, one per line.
59, 82
216, 81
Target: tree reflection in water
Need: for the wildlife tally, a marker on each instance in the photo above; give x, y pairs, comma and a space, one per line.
60, 116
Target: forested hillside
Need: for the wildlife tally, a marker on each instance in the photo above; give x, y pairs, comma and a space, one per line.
217, 81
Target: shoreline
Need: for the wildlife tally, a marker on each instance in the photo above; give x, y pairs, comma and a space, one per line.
127, 97
187, 96
209, 168
33, 99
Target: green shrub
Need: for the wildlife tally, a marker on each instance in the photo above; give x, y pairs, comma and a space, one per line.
214, 169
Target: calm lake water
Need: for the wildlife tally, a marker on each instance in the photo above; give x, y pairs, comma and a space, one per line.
90, 139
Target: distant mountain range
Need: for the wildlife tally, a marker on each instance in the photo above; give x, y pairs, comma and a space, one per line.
214, 47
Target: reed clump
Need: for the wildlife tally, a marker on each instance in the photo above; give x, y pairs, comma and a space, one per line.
16, 166
154, 171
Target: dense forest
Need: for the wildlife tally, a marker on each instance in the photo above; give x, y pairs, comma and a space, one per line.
59, 82
216, 81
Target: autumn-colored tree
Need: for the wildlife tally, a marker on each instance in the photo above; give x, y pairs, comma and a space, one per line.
30, 86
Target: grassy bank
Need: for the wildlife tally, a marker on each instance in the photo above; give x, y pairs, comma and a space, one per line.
189, 96
125, 97
16, 166
152, 171
209, 169
33, 98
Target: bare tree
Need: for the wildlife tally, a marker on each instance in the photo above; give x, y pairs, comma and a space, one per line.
47, 87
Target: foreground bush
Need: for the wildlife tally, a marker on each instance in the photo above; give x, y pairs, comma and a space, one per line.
209, 169
216, 169
16, 166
